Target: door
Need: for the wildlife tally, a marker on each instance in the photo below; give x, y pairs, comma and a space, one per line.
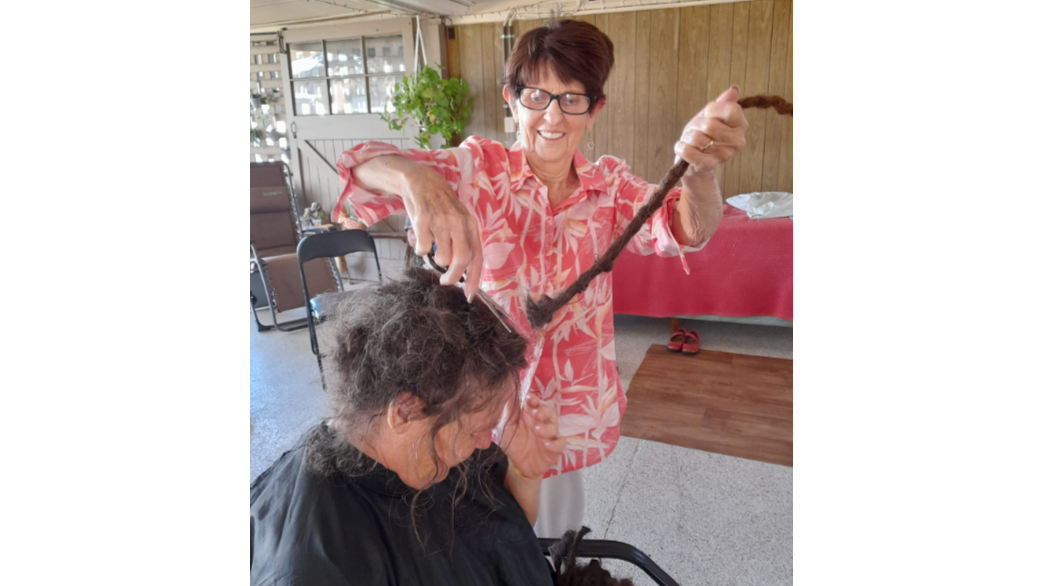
337, 80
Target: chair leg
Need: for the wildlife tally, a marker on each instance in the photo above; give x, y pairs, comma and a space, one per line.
321, 373
288, 326
253, 307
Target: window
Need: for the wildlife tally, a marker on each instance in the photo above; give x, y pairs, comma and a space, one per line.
352, 76
268, 140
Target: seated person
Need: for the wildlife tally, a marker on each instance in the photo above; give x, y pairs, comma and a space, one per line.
403, 485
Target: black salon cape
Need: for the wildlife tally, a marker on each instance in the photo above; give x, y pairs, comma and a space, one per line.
311, 530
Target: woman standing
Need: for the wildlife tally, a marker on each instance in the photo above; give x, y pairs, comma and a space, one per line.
529, 220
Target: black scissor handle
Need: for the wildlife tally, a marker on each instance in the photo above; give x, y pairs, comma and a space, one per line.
435, 266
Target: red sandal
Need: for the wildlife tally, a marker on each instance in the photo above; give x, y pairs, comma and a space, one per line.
676, 341
690, 346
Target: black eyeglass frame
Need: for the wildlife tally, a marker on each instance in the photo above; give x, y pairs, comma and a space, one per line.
554, 97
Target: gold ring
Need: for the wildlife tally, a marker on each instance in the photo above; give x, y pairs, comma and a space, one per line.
708, 146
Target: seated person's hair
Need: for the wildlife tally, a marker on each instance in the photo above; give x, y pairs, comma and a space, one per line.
418, 337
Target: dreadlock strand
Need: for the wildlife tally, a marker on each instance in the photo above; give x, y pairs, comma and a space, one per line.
540, 312
767, 102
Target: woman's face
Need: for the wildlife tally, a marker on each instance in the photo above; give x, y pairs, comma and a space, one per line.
550, 136
456, 442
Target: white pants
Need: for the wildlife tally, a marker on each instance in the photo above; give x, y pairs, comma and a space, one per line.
562, 505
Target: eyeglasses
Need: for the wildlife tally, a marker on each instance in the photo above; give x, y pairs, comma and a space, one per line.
537, 99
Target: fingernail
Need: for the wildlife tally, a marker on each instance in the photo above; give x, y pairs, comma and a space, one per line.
736, 88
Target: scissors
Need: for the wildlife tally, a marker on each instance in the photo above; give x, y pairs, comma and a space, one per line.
497, 310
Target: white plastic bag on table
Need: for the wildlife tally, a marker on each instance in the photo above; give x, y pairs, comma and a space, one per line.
764, 204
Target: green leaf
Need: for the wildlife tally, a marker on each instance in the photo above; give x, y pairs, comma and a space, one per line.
431, 104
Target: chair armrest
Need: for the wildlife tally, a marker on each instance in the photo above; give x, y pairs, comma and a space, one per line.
598, 548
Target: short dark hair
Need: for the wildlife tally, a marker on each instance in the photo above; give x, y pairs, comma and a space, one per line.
574, 50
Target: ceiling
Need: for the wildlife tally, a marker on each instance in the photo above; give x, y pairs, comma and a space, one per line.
269, 15
282, 12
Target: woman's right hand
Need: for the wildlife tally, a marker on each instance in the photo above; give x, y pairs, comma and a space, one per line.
531, 441
438, 216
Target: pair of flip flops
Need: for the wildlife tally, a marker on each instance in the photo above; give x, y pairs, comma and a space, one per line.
683, 342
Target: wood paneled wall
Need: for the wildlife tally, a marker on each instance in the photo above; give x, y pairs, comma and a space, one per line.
668, 64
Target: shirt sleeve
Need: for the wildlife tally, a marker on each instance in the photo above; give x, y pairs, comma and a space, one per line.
630, 194
465, 168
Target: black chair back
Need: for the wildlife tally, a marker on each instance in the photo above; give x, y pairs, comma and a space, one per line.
331, 245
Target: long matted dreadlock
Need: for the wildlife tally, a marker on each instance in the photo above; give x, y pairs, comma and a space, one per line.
542, 311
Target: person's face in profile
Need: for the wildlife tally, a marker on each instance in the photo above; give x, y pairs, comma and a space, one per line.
456, 442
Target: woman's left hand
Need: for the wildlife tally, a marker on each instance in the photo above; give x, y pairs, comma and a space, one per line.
530, 440
714, 135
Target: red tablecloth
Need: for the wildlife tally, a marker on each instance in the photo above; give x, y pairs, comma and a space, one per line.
745, 270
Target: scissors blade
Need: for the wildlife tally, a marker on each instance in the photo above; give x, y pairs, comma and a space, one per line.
499, 312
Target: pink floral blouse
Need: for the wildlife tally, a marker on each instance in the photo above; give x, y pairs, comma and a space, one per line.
531, 249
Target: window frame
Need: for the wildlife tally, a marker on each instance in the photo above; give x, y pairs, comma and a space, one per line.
325, 79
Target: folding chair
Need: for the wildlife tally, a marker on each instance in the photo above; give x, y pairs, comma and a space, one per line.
330, 245
274, 233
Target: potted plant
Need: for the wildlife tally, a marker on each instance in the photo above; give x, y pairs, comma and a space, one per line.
434, 105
